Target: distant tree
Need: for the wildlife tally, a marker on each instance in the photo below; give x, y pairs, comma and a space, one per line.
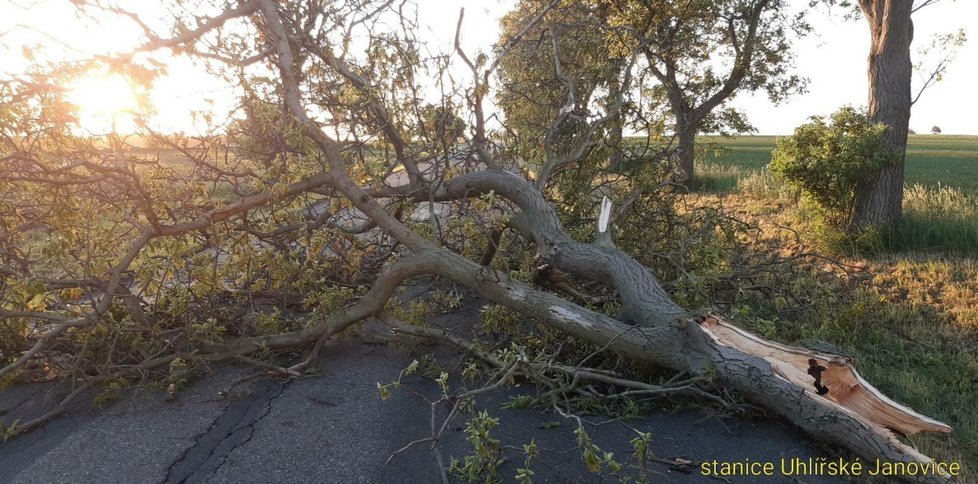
704, 52
911, 131
935, 130
696, 57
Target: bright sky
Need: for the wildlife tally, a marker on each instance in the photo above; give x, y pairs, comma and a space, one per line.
834, 59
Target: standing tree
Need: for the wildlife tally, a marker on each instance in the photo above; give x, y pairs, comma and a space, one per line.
700, 54
890, 74
890, 100
936, 130
703, 53
116, 264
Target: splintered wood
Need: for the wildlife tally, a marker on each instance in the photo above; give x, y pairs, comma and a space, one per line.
831, 378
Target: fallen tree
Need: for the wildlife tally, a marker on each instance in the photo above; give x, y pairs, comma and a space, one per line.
331, 199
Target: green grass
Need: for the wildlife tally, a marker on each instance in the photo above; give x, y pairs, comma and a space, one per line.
746, 152
940, 199
935, 219
931, 159
912, 349
912, 327
947, 160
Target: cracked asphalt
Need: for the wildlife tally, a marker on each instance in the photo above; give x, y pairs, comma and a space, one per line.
232, 429
333, 427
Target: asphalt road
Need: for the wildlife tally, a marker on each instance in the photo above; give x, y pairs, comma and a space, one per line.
335, 428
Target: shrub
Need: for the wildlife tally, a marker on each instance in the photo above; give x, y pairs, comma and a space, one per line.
829, 160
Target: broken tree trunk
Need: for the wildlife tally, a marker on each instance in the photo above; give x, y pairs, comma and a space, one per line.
651, 326
791, 381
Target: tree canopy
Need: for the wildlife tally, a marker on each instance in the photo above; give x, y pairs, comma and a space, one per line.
695, 57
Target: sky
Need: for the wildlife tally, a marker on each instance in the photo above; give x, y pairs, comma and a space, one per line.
834, 59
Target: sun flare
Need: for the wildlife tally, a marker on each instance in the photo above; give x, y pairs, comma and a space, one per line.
105, 103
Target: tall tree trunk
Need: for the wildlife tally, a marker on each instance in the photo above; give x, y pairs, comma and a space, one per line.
685, 151
890, 73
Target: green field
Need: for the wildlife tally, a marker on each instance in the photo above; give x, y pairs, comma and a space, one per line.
931, 159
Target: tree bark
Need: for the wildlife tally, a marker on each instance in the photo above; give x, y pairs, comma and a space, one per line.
685, 151
880, 202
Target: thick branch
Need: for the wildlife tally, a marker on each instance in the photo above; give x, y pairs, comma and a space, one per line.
638, 288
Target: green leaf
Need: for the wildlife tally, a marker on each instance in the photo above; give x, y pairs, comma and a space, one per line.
36, 303
591, 461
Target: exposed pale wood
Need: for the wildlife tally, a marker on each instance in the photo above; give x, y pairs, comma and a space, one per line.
847, 388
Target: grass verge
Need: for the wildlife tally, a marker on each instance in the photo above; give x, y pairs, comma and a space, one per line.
910, 317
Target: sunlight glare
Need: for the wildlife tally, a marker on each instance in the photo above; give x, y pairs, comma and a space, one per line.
105, 103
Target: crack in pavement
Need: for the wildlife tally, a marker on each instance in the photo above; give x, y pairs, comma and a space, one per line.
36, 391
230, 430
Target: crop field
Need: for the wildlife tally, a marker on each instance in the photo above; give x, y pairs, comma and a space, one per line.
931, 159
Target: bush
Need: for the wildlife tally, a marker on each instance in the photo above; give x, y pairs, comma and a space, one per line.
830, 160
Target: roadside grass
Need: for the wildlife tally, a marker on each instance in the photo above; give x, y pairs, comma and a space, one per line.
909, 320
936, 219
914, 333
716, 177
910, 316
919, 353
